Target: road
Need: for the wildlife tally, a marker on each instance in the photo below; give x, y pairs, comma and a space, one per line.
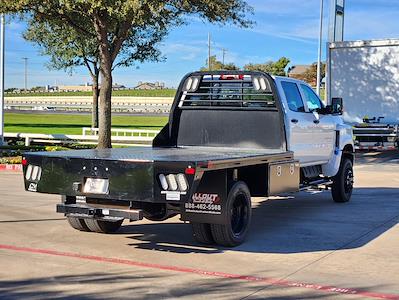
305, 247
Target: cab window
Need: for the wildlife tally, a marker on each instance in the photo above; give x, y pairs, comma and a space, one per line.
312, 100
293, 96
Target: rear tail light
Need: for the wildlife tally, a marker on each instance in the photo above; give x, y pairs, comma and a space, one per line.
33, 173
232, 77
261, 83
189, 171
256, 83
173, 182
182, 182
192, 83
171, 179
189, 83
163, 181
195, 83
28, 172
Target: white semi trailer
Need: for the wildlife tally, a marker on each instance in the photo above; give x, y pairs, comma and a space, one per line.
366, 75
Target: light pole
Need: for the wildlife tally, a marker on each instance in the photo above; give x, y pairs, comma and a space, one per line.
318, 77
2, 41
223, 55
209, 52
26, 72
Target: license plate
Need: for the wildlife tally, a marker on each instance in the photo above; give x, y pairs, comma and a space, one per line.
96, 186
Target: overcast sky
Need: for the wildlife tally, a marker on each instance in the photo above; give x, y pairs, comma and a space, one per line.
283, 28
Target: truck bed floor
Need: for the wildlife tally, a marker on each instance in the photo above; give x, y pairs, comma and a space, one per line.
149, 154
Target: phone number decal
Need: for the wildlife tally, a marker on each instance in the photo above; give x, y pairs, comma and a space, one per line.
203, 208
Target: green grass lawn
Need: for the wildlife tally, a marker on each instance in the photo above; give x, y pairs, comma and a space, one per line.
134, 93
73, 123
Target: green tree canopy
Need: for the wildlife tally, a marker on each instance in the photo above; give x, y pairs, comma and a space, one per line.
310, 75
126, 31
271, 67
217, 65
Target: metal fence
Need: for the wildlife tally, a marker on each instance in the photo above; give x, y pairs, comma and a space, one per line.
81, 103
89, 136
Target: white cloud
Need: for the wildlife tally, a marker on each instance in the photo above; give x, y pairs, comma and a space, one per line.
186, 51
293, 34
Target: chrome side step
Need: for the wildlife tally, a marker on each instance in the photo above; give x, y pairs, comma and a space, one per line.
316, 184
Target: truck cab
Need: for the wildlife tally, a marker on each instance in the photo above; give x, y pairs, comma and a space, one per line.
314, 134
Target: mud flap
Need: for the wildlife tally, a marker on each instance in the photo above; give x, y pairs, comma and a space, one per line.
207, 203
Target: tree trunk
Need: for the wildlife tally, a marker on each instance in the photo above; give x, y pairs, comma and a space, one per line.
94, 113
104, 135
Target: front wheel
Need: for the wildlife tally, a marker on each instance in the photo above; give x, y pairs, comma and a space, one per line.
239, 213
342, 186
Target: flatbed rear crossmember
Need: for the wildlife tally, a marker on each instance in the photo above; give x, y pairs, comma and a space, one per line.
87, 212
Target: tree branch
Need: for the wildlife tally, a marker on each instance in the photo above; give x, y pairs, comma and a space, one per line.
58, 16
120, 37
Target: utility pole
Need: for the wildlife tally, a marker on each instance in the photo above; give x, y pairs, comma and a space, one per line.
209, 52
318, 79
26, 72
2, 46
223, 54
335, 34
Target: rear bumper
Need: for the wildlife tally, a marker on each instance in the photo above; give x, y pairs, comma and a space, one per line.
87, 212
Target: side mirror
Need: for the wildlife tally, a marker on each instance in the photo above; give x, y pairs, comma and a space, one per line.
316, 115
336, 106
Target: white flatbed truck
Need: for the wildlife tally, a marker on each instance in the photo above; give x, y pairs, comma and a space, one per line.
230, 136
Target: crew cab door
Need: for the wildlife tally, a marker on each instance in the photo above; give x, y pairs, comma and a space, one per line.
298, 122
322, 126
310, 136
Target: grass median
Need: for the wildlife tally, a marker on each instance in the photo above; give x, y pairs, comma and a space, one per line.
73, 123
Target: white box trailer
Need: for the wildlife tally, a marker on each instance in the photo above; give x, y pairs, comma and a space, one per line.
366, 75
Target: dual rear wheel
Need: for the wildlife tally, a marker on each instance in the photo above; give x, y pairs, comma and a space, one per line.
94, 225
238, 218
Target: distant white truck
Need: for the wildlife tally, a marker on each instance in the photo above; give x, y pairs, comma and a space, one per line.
366, 75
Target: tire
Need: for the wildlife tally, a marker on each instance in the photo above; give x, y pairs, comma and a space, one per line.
103, 226
239, 213
202, 233
342, 186
77, 223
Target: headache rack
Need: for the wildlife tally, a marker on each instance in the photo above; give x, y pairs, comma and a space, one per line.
227, 91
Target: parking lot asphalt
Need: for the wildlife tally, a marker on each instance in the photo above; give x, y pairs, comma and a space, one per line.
300, 247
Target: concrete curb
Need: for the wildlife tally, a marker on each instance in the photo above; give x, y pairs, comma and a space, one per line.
10, 167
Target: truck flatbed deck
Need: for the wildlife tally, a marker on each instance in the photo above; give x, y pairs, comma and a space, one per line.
132, 173
172, 154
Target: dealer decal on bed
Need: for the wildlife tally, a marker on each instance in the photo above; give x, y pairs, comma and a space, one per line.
32, 187
205, 204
